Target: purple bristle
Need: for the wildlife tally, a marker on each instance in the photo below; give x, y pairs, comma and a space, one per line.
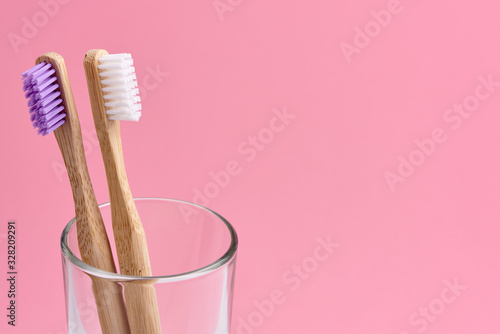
43, 94
31, 70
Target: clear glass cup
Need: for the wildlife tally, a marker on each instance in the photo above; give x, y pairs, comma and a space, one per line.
193, 256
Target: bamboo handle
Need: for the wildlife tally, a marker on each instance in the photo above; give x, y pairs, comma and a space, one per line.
92, 238
130, 239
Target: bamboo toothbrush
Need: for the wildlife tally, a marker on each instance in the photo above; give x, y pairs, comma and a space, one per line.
52, 108
114, 96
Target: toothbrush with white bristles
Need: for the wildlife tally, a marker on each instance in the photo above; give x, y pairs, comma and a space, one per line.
114, 96
119, 84
53, 109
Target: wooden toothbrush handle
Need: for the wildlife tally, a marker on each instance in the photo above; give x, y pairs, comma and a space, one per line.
92, 238
132, 250
142, 306
130, 239
110, 306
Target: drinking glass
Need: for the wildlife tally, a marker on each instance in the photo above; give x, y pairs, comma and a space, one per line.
192, 251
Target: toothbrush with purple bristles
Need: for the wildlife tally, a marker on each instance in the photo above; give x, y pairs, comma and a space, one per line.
52, 109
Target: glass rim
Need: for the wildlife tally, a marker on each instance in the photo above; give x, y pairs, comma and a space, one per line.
115, 277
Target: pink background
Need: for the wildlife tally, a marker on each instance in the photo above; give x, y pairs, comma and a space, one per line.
399, 245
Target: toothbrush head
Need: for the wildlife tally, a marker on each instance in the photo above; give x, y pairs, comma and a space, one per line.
44, 98
119, 87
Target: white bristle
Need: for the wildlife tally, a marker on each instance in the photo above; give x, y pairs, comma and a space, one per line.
119, 96
125, 117
116, 56
119, 103
117, 73
121, 88
119, 80
119, 85
114, 65
122, 110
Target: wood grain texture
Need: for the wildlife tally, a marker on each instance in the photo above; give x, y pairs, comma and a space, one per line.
130, 239
92, 238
